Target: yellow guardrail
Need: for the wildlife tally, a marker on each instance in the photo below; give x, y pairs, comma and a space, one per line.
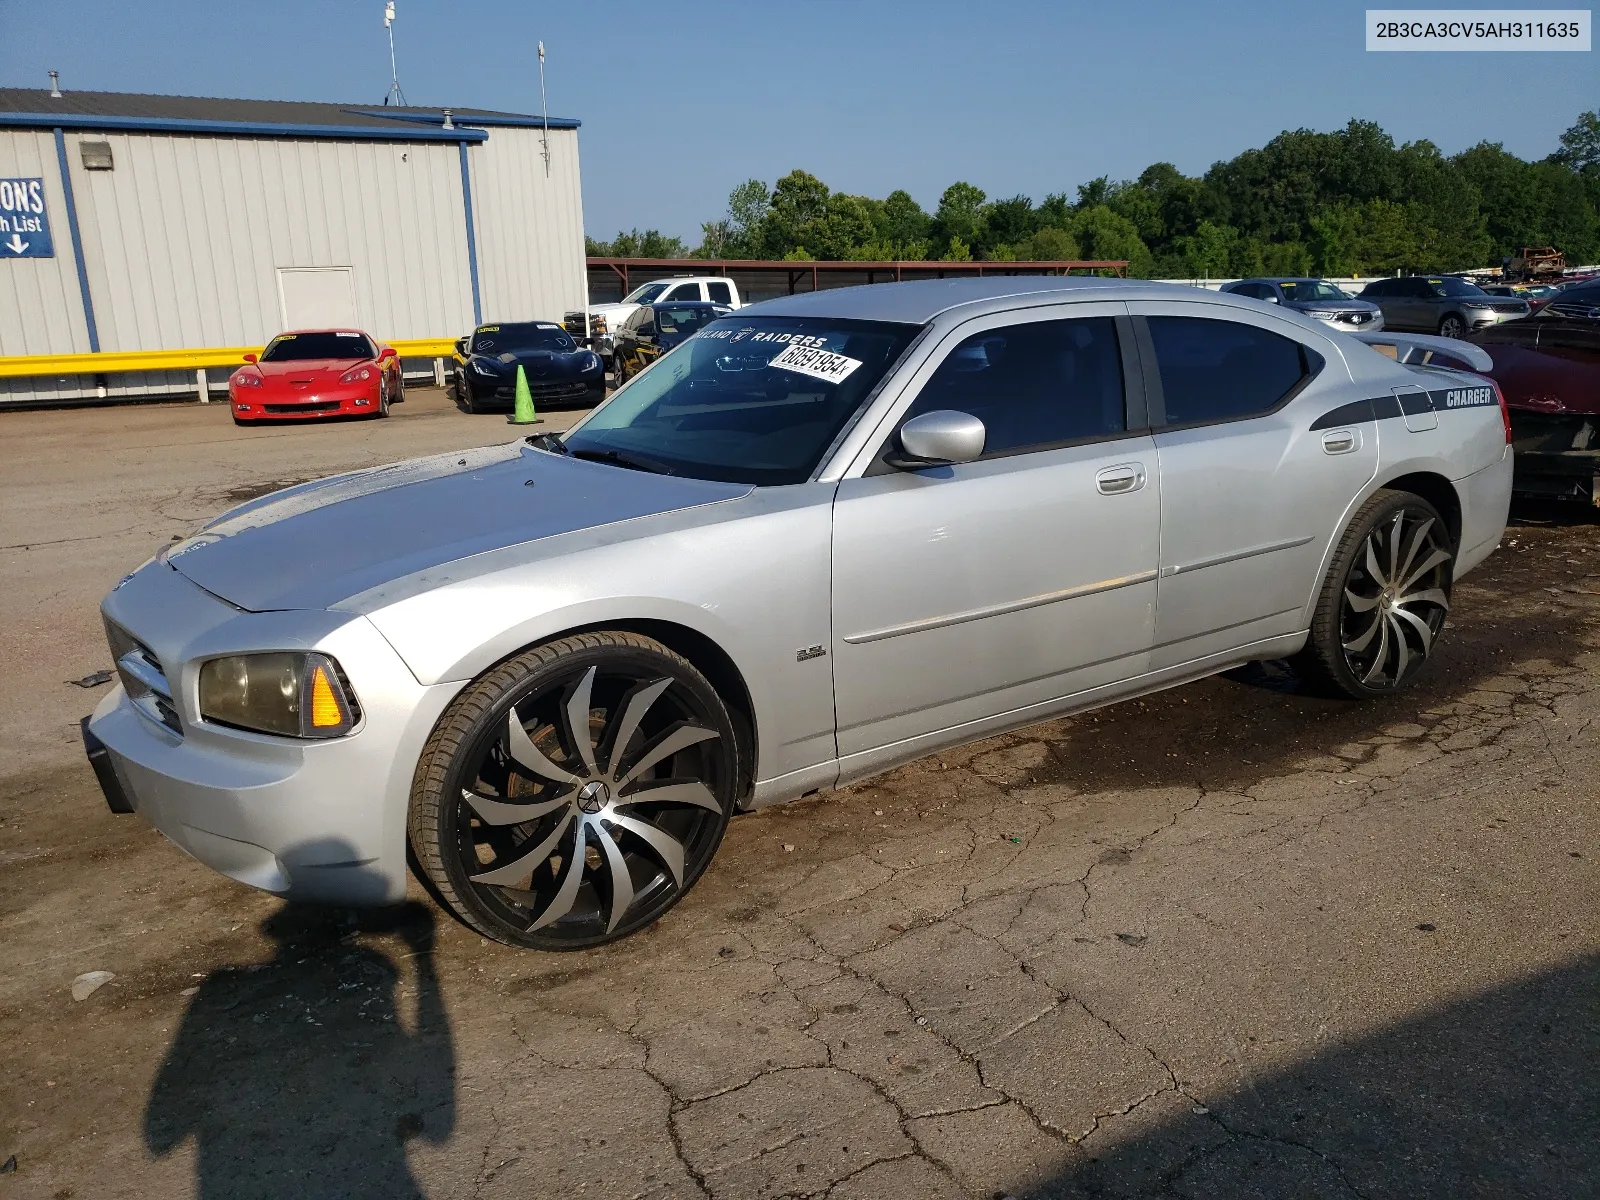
107, 362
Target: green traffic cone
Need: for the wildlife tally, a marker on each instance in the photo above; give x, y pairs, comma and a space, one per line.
523, 414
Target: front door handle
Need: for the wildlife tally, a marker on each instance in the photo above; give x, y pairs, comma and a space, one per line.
1124, 477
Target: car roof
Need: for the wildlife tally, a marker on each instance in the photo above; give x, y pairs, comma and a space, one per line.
328, 329
919, 301
686, 304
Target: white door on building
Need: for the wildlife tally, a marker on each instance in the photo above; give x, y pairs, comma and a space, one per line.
318, 297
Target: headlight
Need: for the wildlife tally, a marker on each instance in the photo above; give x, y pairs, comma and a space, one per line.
1477, 304
477, 365
247, 380
356, 375
294, 695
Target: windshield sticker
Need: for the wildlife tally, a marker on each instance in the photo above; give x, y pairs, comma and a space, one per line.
488, 328
341, 334
286, 337
817, 363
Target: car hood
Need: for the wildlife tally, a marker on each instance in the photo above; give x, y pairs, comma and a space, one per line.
309, 368
1351, 305
537, 363
317, 544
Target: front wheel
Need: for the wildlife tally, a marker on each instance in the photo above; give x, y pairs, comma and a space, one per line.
1452, 327
1384, 601
574, 793
619, 372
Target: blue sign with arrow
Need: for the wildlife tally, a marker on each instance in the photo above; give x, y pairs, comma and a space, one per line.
24, 224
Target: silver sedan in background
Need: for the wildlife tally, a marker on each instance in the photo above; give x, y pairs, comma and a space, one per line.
827, 535
1316, 298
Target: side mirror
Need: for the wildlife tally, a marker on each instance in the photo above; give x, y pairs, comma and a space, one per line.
461, 347
1272, 298
250, 358
942, 438
387, 353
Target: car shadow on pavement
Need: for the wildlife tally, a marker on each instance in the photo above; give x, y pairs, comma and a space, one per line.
1496, 1095
306, 1075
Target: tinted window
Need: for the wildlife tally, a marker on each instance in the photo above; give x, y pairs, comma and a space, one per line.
294, 347
683, 319
1379, 288
719, 293
1311, 289
722, 406
1451, 287
1222, 370
685, 291
1033, 385
645, 294
523, 335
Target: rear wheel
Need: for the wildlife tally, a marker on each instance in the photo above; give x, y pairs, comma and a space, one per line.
1452, 327
383, 398
1384, 600
573, 794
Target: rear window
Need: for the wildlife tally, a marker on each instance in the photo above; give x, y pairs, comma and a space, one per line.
1224, 371
296, 347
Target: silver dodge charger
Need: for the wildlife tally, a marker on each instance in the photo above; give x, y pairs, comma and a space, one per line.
829, 534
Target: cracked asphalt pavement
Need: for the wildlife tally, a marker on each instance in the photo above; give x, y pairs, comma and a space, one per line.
1225, 941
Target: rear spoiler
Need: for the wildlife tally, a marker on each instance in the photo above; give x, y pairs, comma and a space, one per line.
1420, 349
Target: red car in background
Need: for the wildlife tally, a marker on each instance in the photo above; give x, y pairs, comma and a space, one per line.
1548, 367
316, 373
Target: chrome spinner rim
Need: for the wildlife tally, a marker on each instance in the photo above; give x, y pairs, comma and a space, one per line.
591, 805
1395, 599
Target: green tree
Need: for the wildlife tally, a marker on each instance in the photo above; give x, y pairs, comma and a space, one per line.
960, 209
1103, 234
798, 199
1580, 145
958, 251
652, 243
1051, 244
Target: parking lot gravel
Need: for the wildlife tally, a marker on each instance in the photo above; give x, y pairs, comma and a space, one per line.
1226, 941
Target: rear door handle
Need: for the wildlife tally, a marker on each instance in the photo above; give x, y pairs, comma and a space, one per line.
1124, 477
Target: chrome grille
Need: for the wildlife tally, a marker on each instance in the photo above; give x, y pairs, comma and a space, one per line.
1575, 308
143, 677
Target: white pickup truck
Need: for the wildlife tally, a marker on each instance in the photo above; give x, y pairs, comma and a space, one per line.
606, 319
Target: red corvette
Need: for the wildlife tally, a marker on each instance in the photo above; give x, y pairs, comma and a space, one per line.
316, 373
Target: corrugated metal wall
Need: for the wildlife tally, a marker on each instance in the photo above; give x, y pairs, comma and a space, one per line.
184, 238
530, 226
40, 312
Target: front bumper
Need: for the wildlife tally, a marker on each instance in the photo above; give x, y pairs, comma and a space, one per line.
496, 393
1481, 319
318, 821
250, 405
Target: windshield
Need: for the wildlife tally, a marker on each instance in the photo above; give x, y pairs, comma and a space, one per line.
1449, 286
679, 319
530, 335
1311, 289
645, 294
747, 400
294, 347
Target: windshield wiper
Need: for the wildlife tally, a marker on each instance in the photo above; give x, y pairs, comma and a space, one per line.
547, 441
623, 458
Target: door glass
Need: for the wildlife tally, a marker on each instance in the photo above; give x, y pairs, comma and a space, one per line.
1222, 370
1035, 385
685, 291
719, 293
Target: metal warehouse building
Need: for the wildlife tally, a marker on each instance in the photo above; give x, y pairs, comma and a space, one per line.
136, 226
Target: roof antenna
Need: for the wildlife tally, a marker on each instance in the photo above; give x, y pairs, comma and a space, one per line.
55, 85
395, 95
545, 112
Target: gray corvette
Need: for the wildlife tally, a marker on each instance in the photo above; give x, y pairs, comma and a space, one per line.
827, 535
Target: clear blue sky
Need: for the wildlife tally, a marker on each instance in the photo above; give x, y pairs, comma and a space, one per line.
682, 100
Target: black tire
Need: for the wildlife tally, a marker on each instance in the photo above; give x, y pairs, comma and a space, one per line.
1384, 601
619, 372
399, 396
528, 883
383, 399
468, 396
1452, 326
